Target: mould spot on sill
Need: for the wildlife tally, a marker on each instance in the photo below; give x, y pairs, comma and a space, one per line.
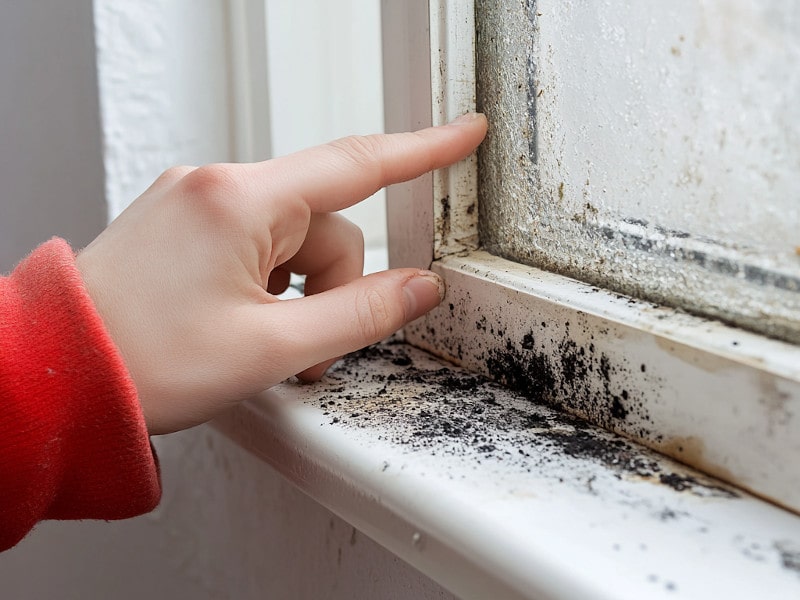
439, 410
444, 218
576, 377
682, 483
789, 555
691, 451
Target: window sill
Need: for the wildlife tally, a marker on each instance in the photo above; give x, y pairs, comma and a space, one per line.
494, 496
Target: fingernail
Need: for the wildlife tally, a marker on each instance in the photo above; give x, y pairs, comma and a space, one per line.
421, 293
467, 118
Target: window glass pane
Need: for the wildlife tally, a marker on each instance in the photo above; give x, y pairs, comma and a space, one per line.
653, 148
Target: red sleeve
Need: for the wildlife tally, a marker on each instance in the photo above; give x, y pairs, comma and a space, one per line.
73, 442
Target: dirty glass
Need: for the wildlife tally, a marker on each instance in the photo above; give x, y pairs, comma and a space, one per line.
651, 148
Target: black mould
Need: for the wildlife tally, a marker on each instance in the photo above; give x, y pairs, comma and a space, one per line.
789, 556
426, 406
577, 378
444, 223
683, 483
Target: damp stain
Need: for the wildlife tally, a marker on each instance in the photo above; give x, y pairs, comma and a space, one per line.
425, 406
444, 218
789, 554
691, 451
569, 364
576, 377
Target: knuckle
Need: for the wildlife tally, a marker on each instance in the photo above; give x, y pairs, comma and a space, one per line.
376, 319
352, 236
292, 211
356, 241
423, 149
213, 181
174, 174
214, 189
360, 150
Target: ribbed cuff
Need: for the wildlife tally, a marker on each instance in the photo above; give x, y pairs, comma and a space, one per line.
73, 441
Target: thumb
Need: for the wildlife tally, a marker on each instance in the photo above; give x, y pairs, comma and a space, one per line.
346, 318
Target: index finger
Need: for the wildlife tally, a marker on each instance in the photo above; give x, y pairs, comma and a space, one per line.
344, 172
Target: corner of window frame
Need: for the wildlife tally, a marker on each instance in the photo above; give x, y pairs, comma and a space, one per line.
692, 388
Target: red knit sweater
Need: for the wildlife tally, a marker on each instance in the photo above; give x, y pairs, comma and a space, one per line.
73, 442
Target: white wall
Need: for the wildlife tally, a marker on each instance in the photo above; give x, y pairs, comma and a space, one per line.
164, 90
228, 526
161, 93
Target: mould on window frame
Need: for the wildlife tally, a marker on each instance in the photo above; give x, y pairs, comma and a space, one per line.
443, 409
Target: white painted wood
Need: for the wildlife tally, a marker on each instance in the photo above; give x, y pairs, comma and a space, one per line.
428, 54
407, 101
525, 504
706, 386
691, 388
455, 189
229, 527
249, 77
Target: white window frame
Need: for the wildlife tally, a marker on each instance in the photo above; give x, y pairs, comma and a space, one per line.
249, 78
486, 526
721, 399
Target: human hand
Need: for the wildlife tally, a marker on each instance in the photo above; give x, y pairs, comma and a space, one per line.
185, 278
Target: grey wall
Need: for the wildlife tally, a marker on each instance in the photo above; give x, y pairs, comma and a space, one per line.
51, 165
